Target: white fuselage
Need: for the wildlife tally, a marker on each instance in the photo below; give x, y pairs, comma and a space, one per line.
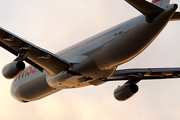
95, 58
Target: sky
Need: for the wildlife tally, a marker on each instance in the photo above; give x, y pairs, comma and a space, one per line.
57, 24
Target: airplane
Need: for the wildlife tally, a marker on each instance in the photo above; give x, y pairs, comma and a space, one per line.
92, 61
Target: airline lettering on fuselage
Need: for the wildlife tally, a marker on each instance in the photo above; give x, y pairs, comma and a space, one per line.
29, 70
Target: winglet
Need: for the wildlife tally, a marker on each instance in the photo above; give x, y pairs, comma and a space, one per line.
146, 8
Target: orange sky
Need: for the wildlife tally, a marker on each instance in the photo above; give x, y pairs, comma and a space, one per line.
55, 25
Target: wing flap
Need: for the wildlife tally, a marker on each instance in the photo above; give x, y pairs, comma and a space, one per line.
36, 56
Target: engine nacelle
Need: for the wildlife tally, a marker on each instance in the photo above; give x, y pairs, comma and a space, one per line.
11, 70
125, 91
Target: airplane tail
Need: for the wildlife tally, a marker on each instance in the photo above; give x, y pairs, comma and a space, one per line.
163, 3
153, 9
160, 3
146, 8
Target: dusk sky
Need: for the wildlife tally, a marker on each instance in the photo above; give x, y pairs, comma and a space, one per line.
57, 24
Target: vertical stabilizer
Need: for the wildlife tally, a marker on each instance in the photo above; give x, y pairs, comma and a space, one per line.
161, 3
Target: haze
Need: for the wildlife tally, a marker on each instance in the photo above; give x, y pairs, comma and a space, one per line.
55, 25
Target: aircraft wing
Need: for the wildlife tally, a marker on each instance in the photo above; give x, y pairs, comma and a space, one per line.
144, 74
32, 54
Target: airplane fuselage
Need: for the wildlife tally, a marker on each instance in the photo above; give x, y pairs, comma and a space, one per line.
93, 59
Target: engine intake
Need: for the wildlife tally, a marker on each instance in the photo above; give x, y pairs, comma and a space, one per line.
11, 70
125, 91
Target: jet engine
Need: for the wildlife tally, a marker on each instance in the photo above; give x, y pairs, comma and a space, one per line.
125, 91
11, 70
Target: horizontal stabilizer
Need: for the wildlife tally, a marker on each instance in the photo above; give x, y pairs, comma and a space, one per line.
146, 8
176, 16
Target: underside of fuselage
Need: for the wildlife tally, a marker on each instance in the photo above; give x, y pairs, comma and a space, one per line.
110, 49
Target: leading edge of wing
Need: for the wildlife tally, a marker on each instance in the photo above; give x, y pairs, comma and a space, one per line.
37, 56
146, 73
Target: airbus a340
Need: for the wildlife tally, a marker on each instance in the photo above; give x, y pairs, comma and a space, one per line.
92, 61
